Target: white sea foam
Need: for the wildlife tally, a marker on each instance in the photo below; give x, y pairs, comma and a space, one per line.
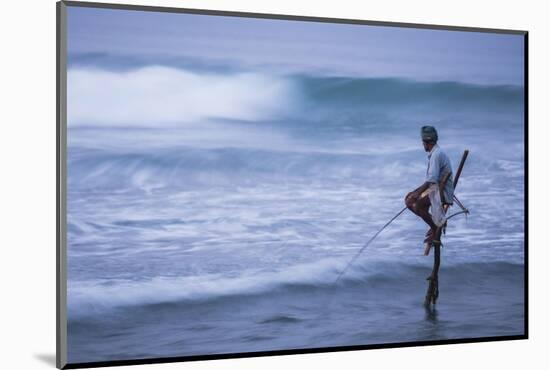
92, 296
162, 96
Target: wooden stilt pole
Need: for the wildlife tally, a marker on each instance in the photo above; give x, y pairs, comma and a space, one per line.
433, 280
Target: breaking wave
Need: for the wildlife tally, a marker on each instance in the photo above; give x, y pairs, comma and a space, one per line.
89, 298
157, 96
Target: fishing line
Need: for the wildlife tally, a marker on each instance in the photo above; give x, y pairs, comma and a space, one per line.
367, 244
464, 211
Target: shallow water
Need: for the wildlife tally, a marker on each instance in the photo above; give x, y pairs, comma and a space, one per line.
380, 302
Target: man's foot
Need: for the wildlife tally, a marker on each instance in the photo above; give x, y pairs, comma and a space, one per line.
427, 247
430, 235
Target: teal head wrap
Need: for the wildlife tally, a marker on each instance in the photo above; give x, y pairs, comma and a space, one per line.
428, 133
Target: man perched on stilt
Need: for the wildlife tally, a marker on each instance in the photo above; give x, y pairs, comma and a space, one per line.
438, 176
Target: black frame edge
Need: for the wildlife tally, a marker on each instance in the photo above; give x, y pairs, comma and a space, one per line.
526, 179
160, 360
61, 145
227, 13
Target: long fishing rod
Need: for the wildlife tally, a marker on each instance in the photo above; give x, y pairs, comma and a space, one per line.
367, 244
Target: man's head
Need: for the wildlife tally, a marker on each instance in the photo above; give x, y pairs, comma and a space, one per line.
429, 137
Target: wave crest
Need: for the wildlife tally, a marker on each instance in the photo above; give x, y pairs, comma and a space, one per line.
157, 96
89, 298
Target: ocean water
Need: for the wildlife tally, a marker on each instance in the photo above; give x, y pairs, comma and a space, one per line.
226, 232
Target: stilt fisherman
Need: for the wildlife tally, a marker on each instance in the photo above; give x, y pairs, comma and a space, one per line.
428, 195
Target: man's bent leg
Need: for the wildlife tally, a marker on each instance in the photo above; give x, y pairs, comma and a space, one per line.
421, 208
